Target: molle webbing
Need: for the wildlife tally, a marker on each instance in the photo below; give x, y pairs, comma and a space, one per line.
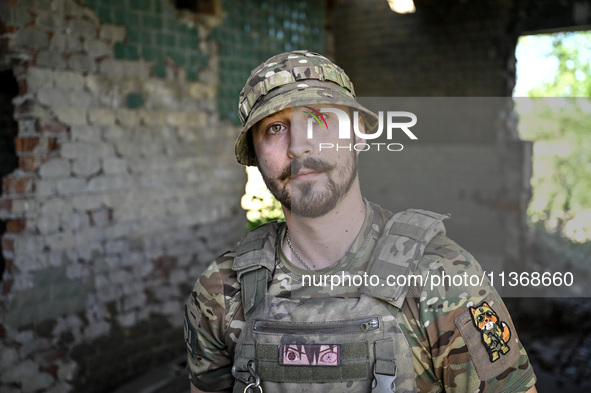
385, 357
399, 249
256, 250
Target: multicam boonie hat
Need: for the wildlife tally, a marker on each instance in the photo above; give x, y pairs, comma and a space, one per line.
289, 79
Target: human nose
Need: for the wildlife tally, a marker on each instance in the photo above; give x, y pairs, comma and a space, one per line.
300, 144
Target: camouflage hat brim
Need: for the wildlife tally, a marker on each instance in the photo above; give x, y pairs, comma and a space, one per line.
294, 95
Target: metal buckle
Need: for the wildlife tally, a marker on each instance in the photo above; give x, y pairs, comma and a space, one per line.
253, 374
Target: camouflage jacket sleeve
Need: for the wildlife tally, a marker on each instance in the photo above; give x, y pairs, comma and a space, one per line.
213, 320
452, 353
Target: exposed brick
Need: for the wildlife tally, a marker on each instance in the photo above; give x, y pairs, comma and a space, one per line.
30, 163
53, 144
5, 206
16, 226
25, 144
17, 185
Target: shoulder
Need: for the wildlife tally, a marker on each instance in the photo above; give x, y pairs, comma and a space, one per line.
441, 323
445, 257
221, 277
215, 288
218, 287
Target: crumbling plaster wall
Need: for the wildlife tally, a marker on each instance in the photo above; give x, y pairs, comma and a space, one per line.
124, 189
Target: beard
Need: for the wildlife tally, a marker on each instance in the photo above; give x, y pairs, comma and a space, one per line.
308, 201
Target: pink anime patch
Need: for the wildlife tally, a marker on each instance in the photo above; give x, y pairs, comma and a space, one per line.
322, 355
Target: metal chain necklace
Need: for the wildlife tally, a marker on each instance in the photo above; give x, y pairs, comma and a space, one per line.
294, 252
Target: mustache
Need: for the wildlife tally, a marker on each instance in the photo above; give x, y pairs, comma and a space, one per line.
297, 164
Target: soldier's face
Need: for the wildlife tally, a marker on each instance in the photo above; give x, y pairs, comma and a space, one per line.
307, 180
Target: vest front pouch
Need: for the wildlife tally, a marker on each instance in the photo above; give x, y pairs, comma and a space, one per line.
323, 345
329, 344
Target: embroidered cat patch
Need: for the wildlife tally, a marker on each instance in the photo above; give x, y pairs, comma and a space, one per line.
310, 355
495, 334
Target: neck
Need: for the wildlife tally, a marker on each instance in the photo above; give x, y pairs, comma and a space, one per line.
323, 241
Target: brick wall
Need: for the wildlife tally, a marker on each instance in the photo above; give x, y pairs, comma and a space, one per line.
123, 191
123, 184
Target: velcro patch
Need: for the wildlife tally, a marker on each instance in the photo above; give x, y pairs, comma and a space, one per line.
321, 355
489, 335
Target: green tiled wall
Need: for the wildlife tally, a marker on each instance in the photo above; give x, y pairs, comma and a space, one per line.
154, 32
253, 31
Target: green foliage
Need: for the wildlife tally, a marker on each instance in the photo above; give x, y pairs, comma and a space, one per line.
261, 207
560, 128
562, 156
573, 52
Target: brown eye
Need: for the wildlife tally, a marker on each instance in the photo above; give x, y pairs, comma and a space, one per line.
480, 318
275, 128
488, 314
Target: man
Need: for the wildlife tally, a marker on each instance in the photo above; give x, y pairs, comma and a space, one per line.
254, 323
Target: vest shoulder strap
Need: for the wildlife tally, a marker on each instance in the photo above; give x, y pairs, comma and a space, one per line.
399, 250
254, 264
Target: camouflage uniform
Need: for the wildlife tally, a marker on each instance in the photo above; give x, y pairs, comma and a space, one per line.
448, 350
448, 354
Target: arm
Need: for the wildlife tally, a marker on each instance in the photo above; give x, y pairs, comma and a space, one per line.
211, 328
532, 390
461, 356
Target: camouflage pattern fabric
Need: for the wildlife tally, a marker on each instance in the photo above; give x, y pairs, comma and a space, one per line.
448, 353
290, 79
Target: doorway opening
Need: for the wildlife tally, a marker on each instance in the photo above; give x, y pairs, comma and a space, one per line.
8, 131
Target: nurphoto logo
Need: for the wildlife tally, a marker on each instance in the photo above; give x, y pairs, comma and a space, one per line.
392, 123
